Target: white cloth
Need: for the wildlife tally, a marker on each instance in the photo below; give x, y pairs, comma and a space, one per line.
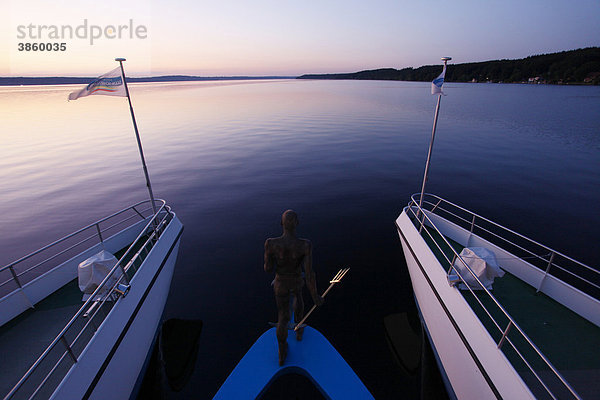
482, 262
92, 271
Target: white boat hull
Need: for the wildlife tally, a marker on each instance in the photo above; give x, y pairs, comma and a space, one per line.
110, 364
473, 366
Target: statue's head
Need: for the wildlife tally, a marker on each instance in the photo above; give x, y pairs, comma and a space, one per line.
289, 220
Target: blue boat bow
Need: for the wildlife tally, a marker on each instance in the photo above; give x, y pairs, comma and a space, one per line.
313, 357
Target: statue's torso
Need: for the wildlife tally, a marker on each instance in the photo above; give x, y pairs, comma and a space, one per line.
289, 255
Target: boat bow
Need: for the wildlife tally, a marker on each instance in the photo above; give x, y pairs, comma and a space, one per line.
313, 357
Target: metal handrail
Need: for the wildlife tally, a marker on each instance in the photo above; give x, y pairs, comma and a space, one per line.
60, 253
420, 216
550, 252
77, 232
10, 266
156, 224
509, 230
547, 251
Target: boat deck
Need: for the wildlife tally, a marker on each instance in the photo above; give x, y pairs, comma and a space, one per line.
23, 339
569, 341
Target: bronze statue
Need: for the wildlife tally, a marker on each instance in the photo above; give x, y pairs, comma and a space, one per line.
286, 255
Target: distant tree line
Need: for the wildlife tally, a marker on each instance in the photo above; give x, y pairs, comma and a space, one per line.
580, 66
61, 80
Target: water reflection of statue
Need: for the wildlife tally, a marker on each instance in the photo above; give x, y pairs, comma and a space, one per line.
286, 255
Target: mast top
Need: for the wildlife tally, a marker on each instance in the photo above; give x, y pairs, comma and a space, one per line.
119, 59
446, 59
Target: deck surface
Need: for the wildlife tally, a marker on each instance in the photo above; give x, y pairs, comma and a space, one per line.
23, 339
569, 341
313, 357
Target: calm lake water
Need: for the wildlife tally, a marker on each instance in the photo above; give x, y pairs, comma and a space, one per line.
230, 157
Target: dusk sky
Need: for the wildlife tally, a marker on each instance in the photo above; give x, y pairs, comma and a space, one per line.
264, 37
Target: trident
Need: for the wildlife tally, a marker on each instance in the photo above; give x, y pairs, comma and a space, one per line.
338, 277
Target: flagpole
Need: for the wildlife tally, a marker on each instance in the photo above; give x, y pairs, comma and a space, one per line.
137, 136
435, 118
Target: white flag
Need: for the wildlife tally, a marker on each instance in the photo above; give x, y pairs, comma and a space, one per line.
436, 85
109, 84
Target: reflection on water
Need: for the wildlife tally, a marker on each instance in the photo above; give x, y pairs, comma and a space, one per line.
231, 156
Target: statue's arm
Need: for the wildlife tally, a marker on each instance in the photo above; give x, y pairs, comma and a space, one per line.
269, 262
309, 273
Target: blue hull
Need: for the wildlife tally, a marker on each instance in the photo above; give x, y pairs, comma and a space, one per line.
313, 357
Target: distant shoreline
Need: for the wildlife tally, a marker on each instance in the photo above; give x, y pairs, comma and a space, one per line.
57, 80
573, 67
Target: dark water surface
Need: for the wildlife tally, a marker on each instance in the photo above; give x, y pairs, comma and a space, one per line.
346, 155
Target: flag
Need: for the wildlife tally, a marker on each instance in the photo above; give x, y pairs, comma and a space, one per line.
436, 85
110, 84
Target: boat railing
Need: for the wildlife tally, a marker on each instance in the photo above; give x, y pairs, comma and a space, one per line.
44, 376
521, 349
550, 261
22, 271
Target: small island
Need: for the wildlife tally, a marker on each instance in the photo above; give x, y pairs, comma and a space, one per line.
581, 66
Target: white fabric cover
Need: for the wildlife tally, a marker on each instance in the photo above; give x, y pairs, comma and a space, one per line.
92, 271
482, 262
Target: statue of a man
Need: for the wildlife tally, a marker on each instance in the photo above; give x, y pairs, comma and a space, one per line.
286, 255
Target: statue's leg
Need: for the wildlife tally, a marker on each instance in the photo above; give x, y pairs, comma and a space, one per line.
283, 310
299, 312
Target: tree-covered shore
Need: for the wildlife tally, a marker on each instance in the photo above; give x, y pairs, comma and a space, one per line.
581, 66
